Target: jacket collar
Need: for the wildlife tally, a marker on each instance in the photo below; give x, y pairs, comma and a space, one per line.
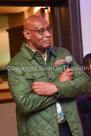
51, 49
29, 53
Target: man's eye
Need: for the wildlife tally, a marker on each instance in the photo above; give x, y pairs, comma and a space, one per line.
41, 31
49, 28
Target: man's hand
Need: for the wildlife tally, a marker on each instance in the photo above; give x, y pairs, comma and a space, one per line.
44, 88
67, 75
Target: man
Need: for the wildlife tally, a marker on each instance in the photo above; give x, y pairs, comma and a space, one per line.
43, 90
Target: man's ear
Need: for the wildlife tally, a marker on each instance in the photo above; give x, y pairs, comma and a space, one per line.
27, 34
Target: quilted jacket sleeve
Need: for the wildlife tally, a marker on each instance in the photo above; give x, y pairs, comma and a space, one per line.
79, 85
25, 100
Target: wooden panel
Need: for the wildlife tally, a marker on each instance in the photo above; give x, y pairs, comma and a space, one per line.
67, 29
16, 40
75, 28
4, 86
5, 95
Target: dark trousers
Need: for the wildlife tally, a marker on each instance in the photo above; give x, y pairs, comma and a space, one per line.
64, 129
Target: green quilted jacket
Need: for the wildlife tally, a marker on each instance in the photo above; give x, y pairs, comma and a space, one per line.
37, 115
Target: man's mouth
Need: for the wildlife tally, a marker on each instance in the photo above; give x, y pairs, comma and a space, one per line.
47, 41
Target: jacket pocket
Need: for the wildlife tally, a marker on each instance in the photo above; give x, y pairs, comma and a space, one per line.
36, 76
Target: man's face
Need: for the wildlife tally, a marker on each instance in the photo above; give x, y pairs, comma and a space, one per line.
41, 36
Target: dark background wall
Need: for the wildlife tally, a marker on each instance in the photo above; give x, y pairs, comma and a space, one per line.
67, 28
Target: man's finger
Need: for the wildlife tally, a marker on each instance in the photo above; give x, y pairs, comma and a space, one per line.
70, 73
34, 87
68, 70
38, 83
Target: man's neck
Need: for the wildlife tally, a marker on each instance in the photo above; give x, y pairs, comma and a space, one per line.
34, 50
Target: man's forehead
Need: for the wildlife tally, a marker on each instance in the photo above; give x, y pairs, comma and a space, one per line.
35, 18
35, 21
40, 25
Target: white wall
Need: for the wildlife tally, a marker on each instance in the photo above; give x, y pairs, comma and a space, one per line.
85, 11
4, 41
4, 48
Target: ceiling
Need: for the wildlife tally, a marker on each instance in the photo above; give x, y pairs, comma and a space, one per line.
10, 9
32, 2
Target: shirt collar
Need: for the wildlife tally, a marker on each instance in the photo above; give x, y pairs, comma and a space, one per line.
30, 48
29, 53
47, 50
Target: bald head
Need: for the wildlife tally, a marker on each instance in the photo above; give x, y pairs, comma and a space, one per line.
32, 21
37, 33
